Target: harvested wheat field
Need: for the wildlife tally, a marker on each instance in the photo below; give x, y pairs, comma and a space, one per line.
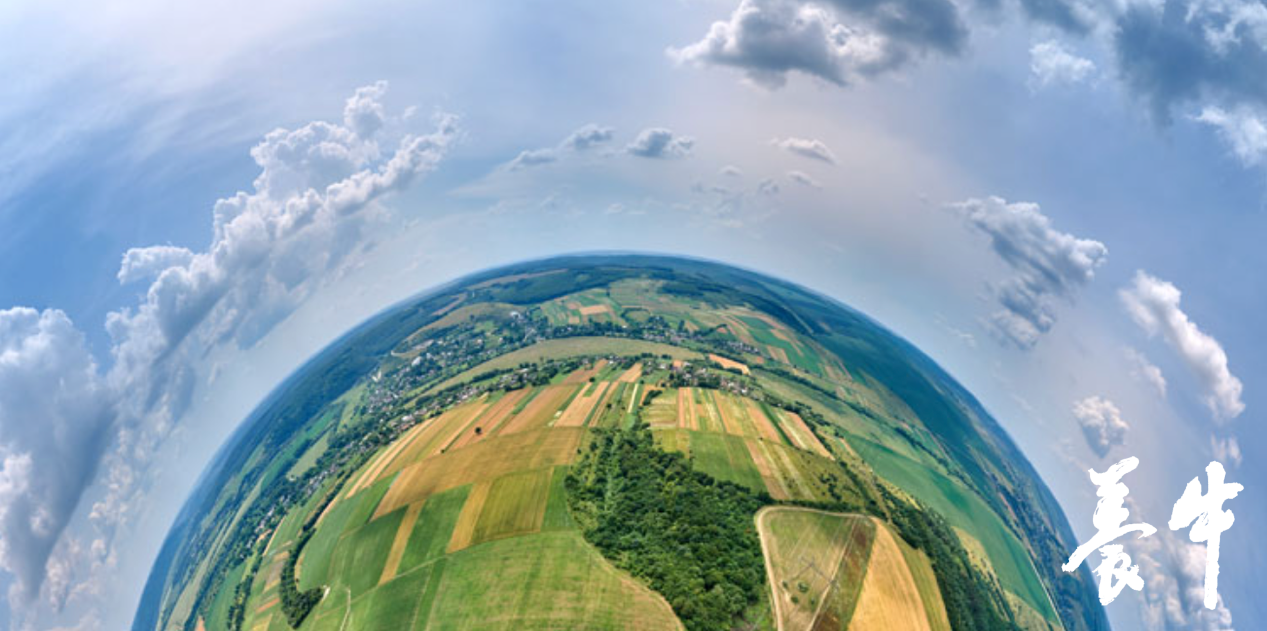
578, 411
815, 561
726, 362
481, 462
890, 599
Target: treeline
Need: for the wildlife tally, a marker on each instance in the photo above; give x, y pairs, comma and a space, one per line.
690, 537
972, 601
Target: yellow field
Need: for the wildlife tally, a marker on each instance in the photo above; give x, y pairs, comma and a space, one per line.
761, 423
581, 406
796, 429
890, 600
584, 373
491, 420
730, 363
540, 412
761, 458
482, 461
804, 551
686, 414
926, 581
464, 530
398, 544
662, 412
732, 415
631, 375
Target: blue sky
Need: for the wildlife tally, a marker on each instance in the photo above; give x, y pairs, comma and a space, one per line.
986, 178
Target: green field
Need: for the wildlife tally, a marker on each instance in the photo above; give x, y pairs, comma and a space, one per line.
359, 558
965, 510
433, 528
556, 516
725, 458
570, 520
515, 505
549, 580
570, 347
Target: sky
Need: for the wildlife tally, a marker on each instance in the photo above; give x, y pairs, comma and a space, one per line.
1060, 201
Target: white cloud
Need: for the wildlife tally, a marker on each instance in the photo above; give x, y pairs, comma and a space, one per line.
839, 41
529, 158
658, 142
1050, 64
1174, 591
768, 187
1154, 305
1226, 450
731, 171
803, 179
69, 434
588, 137
1144, 370
1242, 129
811, 148
1101, 422
1048, 265
55, 419
146, 263
583, 139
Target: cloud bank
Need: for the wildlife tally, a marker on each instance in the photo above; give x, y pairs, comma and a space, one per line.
56, 415
71, 432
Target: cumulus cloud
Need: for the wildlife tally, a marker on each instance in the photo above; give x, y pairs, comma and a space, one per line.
811, 148
65, 426
803, 179
658, 142
587, 137
146, 263
1050, 64
583, 139
1048, 265
838, 41
532, 157
55, 418
1145, 371
1242, 129
1101, 422
731, 171
1154, 305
